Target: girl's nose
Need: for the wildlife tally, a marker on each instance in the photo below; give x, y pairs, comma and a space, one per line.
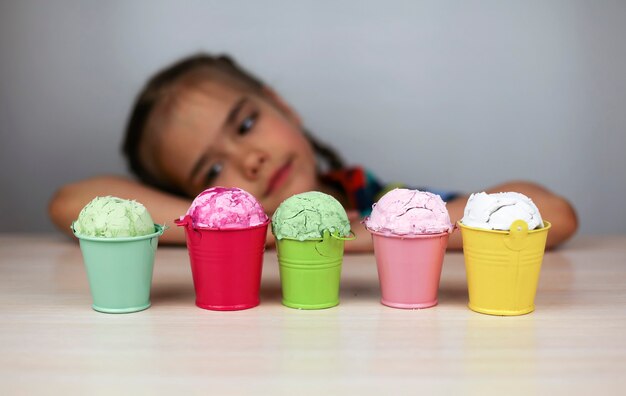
253, 163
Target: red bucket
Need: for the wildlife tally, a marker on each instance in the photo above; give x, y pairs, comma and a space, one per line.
226, 265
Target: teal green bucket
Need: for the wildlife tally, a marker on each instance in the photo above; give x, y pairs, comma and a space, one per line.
120, 270
310, 271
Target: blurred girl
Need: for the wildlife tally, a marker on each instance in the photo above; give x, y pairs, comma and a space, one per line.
204, 121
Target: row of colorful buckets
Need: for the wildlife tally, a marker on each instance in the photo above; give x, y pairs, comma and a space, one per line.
502, 269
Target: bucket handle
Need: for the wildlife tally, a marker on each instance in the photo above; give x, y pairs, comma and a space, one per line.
517, 239
351, 236
155, 240
183, 221
187, 222
327, 238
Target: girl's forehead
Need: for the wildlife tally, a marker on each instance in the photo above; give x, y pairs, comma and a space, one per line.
206, 104
203, 94
197, 112
184, 123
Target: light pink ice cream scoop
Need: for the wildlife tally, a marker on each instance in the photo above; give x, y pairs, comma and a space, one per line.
409, 212
221, 207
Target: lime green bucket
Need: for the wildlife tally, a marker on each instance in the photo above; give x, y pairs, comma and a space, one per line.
120, 270
310, 271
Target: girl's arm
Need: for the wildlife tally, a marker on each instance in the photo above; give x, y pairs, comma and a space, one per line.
67, 202
553, 208
164, 208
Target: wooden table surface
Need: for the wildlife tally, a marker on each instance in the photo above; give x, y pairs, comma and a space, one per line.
52, 341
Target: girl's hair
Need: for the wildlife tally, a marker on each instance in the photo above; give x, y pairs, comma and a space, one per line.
223, 67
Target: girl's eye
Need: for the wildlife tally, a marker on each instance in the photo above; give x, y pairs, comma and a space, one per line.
247, 124
213, 173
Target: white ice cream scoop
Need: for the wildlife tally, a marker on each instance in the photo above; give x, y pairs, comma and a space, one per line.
498, 211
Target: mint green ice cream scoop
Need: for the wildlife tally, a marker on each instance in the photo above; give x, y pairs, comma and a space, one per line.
112, 217
306, 216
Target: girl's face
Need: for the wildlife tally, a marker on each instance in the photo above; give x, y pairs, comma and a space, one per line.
212, 134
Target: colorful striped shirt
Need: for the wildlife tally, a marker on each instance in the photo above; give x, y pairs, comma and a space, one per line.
363, 189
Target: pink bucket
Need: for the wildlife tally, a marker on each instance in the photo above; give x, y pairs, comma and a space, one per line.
409, 268
226, 265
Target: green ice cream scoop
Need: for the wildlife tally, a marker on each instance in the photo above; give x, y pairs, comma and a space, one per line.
112, 217
306, 216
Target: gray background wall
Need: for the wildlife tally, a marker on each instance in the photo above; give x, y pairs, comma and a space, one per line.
464, 94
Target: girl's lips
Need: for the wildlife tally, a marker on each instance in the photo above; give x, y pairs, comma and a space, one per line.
279, 177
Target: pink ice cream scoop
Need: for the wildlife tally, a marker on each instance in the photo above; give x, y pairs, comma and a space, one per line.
221, 207
409, 212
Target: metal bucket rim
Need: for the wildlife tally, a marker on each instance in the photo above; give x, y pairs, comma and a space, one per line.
158, 227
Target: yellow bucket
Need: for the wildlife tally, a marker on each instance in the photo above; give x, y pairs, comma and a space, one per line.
503, 267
